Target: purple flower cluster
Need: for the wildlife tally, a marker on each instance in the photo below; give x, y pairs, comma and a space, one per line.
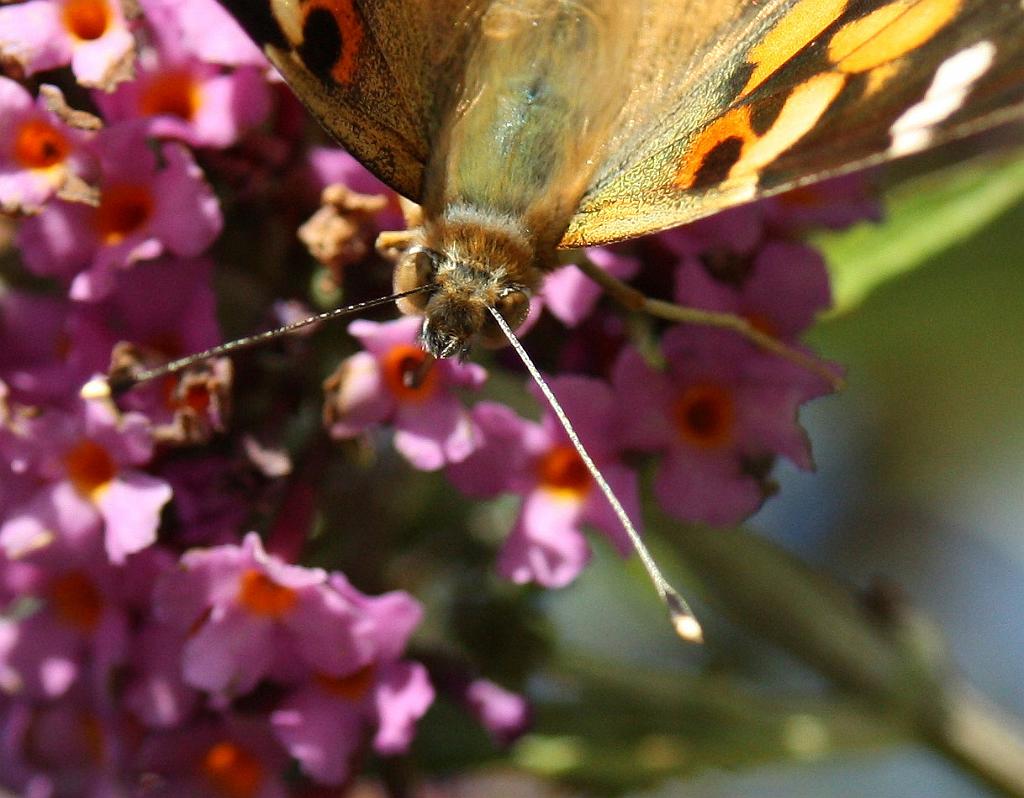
143, 640
146, 637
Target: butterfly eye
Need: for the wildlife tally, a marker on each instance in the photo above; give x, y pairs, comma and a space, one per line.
415, 269
513, 305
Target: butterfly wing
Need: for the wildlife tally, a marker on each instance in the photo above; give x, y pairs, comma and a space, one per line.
813, 88
373, 72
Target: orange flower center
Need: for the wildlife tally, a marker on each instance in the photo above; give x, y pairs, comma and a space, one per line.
408, 375
123, 209
705, 416
351, 687
76, 600
39, 145
259, 594
90, 468
172, 93
561, 470
232, 771
86, 19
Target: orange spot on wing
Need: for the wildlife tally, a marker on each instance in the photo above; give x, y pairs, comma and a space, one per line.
800, 112
889, 32
804, 106
733, 125
350, 26
798, 28
881, 76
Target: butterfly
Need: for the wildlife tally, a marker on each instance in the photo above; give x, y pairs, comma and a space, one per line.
522, 127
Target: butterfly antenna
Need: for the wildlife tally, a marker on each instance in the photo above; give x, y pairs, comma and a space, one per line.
683, 619
121, 381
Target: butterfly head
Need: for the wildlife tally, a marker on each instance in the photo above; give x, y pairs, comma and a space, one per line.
455, 308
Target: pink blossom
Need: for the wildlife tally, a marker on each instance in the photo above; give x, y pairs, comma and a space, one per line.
166, 309
537, 462
232, 755
781, 289
66, 748
202, 29
38, 152
185, 99
144, 210
38, 357
86, 462
155, 692
834, 204
381, 386
720, 413
84, 615
735, 230
504, 714
252, 617
322, 722
571, 296
260, 618
50, 346
91, 35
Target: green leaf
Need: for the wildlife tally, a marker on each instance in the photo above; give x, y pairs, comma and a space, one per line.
923, 217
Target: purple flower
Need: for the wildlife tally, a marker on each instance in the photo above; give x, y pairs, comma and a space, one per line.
82, 620
571, 296
40, 359
85, 463
202, 29
834, 204
383, 386
164, 310
68, 748
504, 714
38, 152
185, 99
780, 290
322, 723
537, 462
42, 655
91, 35
720, 413
232, 756
50, 346
156, 693
738, 229
144, 211
254, 617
